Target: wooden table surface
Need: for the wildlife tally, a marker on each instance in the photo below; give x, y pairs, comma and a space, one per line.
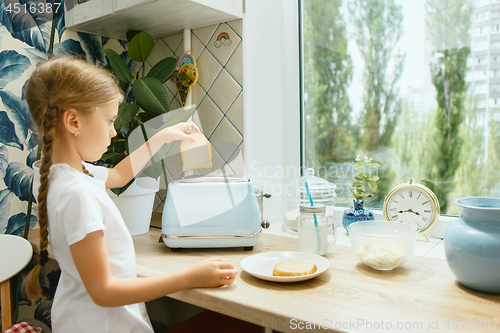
420, 296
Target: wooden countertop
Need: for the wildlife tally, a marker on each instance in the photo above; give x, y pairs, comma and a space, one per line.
420, 296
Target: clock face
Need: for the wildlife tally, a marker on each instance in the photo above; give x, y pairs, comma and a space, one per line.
412, 205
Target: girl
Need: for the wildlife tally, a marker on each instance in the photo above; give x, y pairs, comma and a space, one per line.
74, 105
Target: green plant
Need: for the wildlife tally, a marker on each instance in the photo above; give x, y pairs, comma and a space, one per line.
363, 179
149, 100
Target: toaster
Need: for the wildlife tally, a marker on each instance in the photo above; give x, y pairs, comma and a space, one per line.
212, 211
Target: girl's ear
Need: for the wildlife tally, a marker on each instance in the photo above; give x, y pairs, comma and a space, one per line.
71, 120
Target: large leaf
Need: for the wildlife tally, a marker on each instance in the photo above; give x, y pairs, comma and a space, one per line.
140, 47
126, 113
113, 158
120, 69
151, 95
60, 22
120, 190
12, 66
19, 113
8, 134
31, 158
136, 139
30, 26
18, 179
69, 47
92, 45
17, 224
6, 196
33, 141
35, 55
131, 34
4, 161
163, 69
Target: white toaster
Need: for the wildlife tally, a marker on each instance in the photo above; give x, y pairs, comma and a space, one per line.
211, 211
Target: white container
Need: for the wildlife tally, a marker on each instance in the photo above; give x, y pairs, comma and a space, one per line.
136, 204
322, 193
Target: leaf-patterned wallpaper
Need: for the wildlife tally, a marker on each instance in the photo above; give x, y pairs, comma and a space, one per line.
20, 51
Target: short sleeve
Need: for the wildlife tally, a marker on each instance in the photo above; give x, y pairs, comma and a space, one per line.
99, 172
80, 214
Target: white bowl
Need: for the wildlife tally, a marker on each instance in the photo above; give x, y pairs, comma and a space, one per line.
383, 245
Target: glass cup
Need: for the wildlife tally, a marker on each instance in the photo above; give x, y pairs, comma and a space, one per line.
314, 228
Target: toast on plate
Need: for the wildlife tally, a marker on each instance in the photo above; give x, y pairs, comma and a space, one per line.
294, 268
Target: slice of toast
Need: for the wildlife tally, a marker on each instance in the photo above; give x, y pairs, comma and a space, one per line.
197, 154
294, 268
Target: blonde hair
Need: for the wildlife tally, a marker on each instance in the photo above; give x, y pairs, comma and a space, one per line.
55, 86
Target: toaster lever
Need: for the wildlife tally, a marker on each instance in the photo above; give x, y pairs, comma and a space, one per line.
265, 224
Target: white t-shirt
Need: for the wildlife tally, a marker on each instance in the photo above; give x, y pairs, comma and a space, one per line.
77, 205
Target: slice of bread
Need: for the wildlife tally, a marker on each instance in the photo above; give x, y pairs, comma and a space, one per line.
294, 268
197, 154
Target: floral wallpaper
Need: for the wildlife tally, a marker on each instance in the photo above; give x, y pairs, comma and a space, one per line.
20, 52
24, 42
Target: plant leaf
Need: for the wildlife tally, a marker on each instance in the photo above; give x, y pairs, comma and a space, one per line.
120, 69
163, 69
8, 134
364, 175
151, 95
112, 158
373, 178
6, 196
17, 224
93, 47
357, 184
4, 161
30, 27
120, 190
18, 179
140, 47
31, 158
12, 66
126, 112
131, 34
69, 47
19, 113
373, 185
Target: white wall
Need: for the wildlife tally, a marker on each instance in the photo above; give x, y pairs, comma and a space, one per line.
271, 113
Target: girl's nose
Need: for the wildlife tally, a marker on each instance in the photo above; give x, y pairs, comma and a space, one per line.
113, 132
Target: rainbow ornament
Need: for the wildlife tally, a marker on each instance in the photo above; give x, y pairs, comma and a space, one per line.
223, 39
223, 35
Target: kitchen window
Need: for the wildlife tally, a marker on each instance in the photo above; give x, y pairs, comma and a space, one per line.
404, 83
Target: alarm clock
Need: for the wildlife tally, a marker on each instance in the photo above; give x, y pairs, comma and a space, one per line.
414, 204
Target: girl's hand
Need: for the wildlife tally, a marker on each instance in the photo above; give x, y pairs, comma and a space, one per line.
180, 131
212, 272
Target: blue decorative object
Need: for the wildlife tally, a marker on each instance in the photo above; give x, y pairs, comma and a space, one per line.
356, 214
472, 244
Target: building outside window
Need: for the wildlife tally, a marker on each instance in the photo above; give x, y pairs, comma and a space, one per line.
410, 84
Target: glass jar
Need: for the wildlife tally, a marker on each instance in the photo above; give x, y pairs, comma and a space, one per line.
314, 228
322, 193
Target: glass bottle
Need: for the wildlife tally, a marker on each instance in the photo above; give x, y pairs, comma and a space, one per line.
314, 228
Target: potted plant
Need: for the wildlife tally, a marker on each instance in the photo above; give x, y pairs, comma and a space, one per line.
362, 181
146, 98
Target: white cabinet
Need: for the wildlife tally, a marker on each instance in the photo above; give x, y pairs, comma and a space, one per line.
112, 18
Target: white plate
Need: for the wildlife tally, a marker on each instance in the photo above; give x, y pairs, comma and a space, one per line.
261, 265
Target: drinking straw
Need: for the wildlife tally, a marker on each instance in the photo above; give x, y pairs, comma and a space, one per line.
315, 219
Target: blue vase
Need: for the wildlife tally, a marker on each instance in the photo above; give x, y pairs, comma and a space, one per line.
356, 214
472, 244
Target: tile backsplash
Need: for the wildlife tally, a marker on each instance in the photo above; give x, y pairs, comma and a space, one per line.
218, 94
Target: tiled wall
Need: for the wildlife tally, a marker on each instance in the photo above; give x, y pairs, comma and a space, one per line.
218, 95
